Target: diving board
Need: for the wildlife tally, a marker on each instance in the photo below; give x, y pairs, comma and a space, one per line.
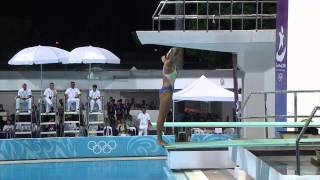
240, 142
239, 124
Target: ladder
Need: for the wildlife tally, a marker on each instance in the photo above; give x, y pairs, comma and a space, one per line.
48, 121
71, 121
23, 121
95, 119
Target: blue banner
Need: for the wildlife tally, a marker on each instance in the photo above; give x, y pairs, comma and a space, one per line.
81, 147
281, 61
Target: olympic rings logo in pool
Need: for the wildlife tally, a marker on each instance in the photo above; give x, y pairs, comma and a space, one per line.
102, 146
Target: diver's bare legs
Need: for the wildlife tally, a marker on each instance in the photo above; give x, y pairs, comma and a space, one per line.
165, 103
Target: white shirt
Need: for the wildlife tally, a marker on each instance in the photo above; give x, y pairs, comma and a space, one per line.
49, 93
94, 94
24, 93
144, 119
72, 93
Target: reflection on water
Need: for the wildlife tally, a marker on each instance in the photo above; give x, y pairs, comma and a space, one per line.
92, 170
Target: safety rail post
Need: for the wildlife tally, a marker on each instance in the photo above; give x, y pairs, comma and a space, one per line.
266, 113
154, 14
231, 11
257, 11
295, 107
315, 109
197, 16
207, 19
184, 15
219, 21
159, 14
261, 14
242, 6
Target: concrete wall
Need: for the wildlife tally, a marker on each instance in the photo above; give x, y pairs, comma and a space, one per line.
255, 107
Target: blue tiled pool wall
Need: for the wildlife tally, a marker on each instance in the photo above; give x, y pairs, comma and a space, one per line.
100, 146
80, 147
90, 170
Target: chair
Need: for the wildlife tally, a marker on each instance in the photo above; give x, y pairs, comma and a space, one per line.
197, 131
108, 131
133, 129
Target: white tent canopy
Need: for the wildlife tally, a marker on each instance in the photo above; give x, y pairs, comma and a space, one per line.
204, 90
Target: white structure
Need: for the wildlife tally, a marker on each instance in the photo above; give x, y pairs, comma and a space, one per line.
204, 90
303, 53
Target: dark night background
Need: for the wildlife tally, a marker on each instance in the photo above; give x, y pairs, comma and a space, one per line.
72, 23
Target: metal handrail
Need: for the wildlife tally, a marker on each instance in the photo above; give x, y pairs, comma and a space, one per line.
215, 2
275, 92
312, 115
164, 4
213, 17
257, 16
295, 115
277, 116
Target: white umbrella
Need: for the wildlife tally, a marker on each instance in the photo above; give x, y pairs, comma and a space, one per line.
39, 55
91, 55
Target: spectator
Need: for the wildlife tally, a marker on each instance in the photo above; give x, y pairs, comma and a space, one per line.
133, 103
119, 109
186, 117
60, 115
126, 107
1, 108
111, 110
122, 128
143, 104
130, 122
9, 127
110, 100
1, 119
152, 105
61, 105
144, 119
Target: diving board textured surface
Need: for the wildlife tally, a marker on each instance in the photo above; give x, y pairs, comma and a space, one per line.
240, 142
238, 124
81, 147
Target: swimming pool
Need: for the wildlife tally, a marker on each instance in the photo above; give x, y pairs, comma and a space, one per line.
88, 170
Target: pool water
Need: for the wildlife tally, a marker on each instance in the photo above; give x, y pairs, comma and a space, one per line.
88, 170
